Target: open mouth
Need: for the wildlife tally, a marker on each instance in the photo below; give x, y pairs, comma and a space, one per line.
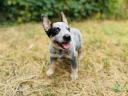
64, 45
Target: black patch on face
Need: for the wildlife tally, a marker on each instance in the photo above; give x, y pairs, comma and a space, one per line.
53, 31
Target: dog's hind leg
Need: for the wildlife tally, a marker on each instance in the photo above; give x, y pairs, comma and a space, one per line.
79, 56
74, 68
51, 67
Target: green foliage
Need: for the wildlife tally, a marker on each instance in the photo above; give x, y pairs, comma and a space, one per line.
116, 87
27, 10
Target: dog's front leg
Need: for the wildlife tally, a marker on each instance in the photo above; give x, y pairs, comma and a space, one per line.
74, 68
51, 67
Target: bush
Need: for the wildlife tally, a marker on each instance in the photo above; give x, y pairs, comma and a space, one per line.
28, 10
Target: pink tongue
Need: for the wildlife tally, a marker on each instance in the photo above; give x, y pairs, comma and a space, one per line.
66, 45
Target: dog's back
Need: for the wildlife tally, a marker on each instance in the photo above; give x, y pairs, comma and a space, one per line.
77, 38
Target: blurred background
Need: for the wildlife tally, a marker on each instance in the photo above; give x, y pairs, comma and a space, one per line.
31, 10
24, 53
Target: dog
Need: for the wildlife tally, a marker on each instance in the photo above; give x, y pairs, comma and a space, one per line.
66, 44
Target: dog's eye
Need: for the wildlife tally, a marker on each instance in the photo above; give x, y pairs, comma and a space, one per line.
57, 29
68, 29
53, 31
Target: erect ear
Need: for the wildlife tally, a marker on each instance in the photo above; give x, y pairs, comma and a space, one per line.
46, 23
63, 18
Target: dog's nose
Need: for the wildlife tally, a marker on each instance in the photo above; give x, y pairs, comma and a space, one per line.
67, 37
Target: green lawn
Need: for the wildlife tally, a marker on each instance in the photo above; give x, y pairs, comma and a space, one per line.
103, 71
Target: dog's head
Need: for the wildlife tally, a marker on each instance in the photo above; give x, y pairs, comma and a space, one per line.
58, 32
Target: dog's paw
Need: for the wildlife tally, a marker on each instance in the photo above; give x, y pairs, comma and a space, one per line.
74, 76
49, 72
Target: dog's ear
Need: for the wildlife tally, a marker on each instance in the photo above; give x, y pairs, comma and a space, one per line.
46, 23
63, 18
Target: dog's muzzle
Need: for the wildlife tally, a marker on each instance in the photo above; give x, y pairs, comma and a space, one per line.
66, 42
67, 38
64, 45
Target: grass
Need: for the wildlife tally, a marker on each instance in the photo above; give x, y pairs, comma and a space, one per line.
102, 72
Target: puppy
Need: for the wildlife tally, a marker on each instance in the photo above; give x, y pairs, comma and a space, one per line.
65, 44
